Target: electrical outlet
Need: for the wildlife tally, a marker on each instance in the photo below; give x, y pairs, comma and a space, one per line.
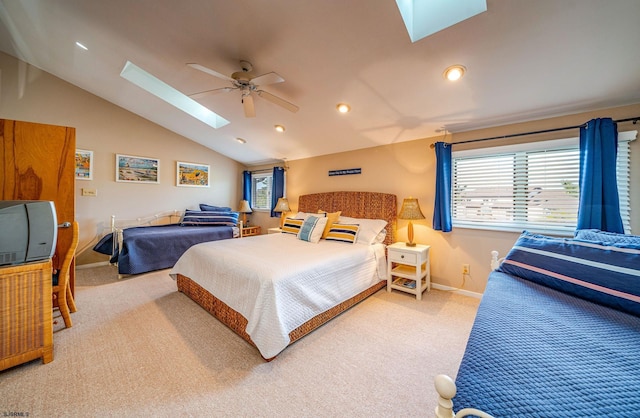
466, 269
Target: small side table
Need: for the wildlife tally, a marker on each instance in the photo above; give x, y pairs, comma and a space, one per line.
274, 230
408, 268
249, 231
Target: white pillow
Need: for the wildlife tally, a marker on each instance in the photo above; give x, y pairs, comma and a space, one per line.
312, 229
369, 228
305, 215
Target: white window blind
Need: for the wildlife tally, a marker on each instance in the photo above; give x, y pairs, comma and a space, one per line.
529, 186
261, 187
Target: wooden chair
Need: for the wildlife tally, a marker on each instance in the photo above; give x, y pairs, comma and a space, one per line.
61, 288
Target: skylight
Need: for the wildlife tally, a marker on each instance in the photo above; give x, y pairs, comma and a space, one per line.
159, 88
424, 18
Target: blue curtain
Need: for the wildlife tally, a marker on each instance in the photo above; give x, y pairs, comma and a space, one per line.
442, 206
277, 188
246, 186
599, 206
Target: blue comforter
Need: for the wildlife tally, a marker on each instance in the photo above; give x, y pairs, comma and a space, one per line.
536, 352
158, 247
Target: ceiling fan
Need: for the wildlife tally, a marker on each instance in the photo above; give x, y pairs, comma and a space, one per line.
247, 83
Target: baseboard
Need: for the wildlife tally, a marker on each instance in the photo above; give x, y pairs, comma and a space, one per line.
456, 290
91, 265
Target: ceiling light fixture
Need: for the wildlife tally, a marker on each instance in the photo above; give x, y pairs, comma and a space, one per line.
241, 140
343, 108
82, 46
279, 128
454, 73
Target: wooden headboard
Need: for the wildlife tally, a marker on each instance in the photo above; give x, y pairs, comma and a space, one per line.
368, 205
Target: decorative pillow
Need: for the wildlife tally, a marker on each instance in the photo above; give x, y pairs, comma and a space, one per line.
604, 274
369, 228
606, 237
292, 226
211, 208
343, 233
209, 218
331, 219
312, 228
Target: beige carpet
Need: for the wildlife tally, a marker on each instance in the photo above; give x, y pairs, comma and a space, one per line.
139, 348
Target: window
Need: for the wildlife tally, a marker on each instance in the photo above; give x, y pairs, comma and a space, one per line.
527, 186
261, 187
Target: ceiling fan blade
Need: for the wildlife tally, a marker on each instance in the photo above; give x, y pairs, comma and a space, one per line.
249, 109
210, 71
266, 79
276, 100
208, 92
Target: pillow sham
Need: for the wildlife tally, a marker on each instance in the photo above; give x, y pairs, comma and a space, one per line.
312, 228
605, 274
209, 218
606, 237
332, 217
292, 226
212, 208
343, 233
369, 228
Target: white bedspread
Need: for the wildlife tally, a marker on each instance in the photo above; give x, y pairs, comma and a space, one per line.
278, 282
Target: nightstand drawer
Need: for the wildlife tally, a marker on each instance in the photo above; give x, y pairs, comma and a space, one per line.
400, 257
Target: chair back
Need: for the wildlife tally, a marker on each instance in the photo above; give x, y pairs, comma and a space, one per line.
63, 274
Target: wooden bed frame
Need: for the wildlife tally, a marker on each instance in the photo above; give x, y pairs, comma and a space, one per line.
369, 205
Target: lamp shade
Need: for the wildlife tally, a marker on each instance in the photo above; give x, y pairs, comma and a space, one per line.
244, 207
282, 205
410, 209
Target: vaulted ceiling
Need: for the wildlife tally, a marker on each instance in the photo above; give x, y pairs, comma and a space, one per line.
525, 60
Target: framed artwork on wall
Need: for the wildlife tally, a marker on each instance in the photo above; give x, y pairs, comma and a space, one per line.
192, 174
132, 169
84, 164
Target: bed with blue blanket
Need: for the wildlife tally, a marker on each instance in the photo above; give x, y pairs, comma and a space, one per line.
557, 333
143, 249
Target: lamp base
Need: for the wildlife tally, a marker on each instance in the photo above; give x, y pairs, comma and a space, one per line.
410, 244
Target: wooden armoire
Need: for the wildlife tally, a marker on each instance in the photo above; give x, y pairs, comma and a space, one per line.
37, 162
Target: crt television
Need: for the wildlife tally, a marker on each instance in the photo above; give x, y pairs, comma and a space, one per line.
28, 231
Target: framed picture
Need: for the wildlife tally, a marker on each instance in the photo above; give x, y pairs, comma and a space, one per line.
192, 174
131, 169
84, 164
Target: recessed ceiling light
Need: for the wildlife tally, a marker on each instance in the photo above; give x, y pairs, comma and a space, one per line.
82, 46
343, 108
454, 73
279, 128
241, 140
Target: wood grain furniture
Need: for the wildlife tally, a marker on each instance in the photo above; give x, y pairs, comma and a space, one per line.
408, 268
249, 231
37, 162
26, 326
368, 205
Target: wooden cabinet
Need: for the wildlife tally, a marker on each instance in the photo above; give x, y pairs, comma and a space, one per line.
26, 314
37, 162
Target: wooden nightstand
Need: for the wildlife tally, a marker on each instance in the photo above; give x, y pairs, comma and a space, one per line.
249, 231
408, 268
274, 230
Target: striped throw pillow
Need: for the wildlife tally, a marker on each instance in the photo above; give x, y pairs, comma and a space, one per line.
292, 226
343, 233
608, 274
209, 218
312, 228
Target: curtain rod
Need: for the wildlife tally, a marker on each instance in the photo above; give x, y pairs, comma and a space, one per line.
635, 120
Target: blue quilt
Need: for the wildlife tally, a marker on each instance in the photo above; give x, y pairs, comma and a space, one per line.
158, 247
537, 352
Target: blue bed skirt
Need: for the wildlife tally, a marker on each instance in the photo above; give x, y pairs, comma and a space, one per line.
158, 247
536, 352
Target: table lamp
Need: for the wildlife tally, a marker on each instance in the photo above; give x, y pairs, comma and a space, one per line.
410, 210
283, 207
244, 209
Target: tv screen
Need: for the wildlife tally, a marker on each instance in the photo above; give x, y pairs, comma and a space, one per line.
28, 231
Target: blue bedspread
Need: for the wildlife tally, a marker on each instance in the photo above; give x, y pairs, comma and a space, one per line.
537, 352
158, 247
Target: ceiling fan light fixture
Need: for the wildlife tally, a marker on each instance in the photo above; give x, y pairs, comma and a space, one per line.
279, 128
241, 140
454, 72
343, 108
